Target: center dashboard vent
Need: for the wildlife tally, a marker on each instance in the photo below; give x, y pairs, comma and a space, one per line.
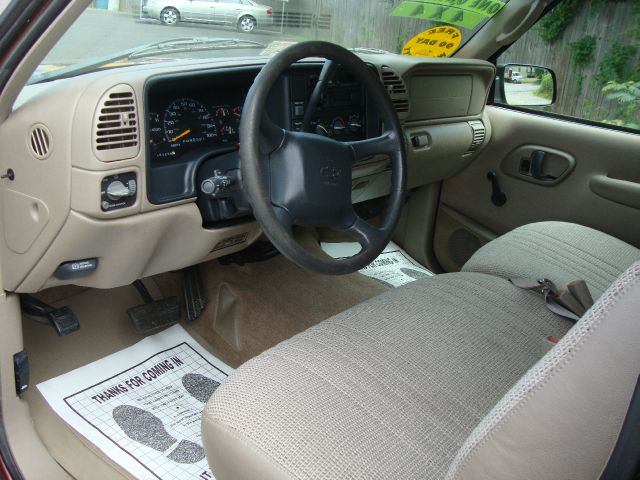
397, 90
116, 129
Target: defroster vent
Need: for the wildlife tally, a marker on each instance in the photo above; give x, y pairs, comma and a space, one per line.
116, 130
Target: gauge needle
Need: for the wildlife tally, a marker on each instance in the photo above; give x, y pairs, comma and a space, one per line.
186, 132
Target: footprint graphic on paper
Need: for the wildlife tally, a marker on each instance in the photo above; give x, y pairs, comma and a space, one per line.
199, 386
415, 274
145, 428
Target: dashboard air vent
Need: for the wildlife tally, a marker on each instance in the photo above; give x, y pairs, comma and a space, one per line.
40, 141
397, 90
479, 131
116, 130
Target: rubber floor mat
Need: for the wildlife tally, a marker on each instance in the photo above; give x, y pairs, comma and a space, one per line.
142, 406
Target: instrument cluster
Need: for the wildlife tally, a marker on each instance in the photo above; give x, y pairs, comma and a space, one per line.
186, 120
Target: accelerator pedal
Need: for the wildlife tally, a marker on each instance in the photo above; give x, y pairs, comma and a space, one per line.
194, 297
153, 314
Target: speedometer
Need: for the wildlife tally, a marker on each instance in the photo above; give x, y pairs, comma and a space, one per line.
187, 121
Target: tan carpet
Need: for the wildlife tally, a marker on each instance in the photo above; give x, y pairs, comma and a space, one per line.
253, 307
250, 309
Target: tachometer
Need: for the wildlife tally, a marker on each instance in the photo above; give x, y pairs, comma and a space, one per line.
188, 121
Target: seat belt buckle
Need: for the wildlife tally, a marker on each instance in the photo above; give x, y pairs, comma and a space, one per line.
547, 287
543, 286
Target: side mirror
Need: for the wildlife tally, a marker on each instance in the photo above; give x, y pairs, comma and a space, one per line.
525, 85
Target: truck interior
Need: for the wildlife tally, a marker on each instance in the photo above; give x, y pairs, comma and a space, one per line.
197, 181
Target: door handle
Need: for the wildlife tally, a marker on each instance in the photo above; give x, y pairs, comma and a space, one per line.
534, 166
618, 191
538, 164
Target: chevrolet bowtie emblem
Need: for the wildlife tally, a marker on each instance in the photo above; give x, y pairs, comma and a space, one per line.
330, 172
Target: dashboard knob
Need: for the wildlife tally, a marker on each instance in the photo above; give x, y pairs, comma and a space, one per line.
355, 124
322, 130
208, 187
117, 190
338, 126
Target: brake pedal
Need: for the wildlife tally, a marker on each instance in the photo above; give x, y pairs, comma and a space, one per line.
194, 298
153, 314
63, 320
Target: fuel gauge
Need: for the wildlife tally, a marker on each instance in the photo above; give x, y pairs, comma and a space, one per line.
156, 131
156, 141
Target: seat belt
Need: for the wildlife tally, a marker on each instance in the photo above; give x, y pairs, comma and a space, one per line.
571, 302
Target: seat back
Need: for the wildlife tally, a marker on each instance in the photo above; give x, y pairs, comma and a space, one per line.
562, 419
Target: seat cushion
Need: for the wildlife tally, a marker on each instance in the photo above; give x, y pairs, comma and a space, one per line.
388, 389
562, 252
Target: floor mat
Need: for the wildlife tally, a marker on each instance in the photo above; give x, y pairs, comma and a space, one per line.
393, 267
142, 405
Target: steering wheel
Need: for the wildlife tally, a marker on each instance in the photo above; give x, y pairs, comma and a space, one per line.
298, 178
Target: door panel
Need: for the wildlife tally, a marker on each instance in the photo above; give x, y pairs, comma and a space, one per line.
600, 187
202, 10
229, 11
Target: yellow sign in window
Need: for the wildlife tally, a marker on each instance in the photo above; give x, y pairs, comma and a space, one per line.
435, 42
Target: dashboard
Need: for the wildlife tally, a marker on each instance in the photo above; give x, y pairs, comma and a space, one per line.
140, 169
193, 120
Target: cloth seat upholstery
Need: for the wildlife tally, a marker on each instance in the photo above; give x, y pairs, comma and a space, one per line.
560, 251
391, 388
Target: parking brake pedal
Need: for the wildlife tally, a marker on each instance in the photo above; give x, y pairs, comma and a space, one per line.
194, 297
153, 314
63, 320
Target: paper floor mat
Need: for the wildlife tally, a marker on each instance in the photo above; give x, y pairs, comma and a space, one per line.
142, 405
393, 267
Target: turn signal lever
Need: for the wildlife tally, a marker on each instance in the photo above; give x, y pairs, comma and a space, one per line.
220, 184
220, 194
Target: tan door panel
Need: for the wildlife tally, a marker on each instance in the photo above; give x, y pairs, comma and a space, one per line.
538, 164
619, 191
600, 188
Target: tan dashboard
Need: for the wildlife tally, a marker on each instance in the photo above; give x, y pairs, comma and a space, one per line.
78, 209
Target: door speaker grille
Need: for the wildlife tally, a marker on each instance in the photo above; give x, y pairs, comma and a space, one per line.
462, 245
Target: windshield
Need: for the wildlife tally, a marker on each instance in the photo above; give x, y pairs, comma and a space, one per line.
117, 33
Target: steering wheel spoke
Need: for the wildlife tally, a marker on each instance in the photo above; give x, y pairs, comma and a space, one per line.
271, 135
385, 144
284, 218
365, 234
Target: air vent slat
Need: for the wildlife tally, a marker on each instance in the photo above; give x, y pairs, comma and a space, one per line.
397, 91
478, 135
39, 141
115, 130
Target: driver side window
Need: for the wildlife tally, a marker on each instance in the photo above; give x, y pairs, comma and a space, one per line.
593, 48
